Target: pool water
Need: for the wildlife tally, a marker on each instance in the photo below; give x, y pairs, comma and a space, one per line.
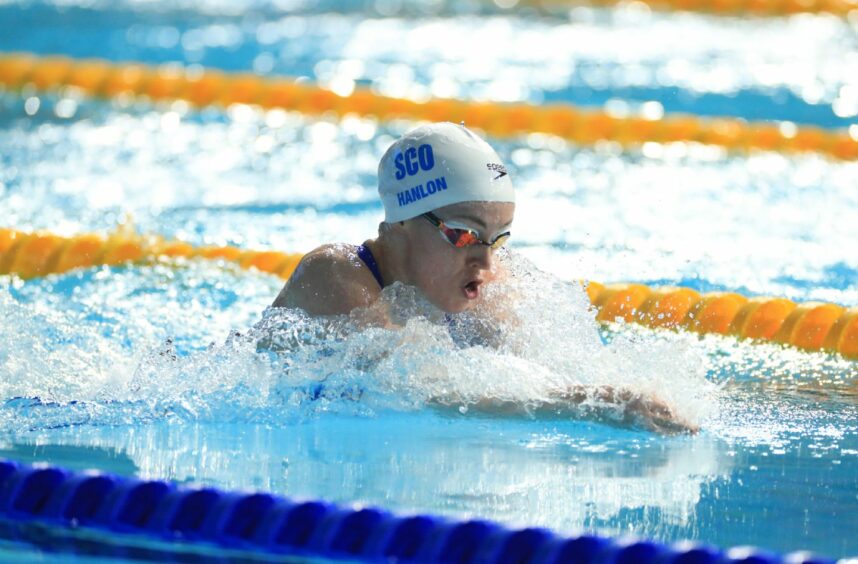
88, 379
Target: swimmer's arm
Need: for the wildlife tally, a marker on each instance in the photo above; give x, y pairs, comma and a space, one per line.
600, 403
326, 284
627, 408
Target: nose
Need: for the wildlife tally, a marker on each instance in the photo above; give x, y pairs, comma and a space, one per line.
480, 257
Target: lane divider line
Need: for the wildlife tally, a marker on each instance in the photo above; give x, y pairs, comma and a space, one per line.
102, 79
759, 8
811, 326
171, 519
31, 255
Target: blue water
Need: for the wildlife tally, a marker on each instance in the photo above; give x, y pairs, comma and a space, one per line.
88, 380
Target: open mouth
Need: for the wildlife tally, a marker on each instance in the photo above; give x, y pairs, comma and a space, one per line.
472, 289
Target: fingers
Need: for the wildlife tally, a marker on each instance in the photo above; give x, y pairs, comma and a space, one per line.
654, 415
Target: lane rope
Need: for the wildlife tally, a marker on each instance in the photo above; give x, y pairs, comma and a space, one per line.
30, 255
205, 87
262, 526
811, 326
759, 8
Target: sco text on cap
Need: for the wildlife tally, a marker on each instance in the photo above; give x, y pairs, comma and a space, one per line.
412, 160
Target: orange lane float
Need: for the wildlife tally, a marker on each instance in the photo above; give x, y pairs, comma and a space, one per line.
811, 326
203, 87
30, 255
759, 8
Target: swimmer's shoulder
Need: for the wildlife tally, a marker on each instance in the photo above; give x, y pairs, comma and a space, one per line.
329, 280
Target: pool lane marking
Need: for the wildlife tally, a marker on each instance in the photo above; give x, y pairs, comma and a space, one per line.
811, 326
757, 8
31, 255
210, 87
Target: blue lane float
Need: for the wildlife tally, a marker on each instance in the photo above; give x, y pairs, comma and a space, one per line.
94, 513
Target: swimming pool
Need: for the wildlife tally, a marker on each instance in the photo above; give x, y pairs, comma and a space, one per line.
775, 462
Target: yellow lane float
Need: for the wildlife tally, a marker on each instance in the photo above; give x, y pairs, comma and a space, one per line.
811, 326
204, 87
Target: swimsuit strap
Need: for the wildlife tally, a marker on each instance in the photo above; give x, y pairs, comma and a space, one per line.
366, 256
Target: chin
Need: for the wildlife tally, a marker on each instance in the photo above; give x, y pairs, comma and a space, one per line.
457, 307
451, 303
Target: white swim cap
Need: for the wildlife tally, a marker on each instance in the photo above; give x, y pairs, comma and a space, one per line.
436, 165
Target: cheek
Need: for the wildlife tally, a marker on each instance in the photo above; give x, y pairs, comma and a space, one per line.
436, 273
435, 269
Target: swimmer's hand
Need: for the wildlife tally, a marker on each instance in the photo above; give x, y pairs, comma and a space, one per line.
653, 414
628, 408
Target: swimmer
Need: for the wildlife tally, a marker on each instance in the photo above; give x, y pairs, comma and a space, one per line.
448, 207
448, 203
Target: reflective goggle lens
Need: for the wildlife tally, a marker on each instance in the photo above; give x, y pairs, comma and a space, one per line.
461, 237
465, 238
500, 240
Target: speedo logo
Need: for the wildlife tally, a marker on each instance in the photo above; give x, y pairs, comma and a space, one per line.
498, 168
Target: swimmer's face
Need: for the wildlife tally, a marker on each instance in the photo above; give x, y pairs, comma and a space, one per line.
453, 278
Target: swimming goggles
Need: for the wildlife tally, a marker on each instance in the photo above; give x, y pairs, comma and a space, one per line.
461, 237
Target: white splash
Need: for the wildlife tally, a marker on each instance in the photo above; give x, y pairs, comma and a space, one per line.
533, 350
